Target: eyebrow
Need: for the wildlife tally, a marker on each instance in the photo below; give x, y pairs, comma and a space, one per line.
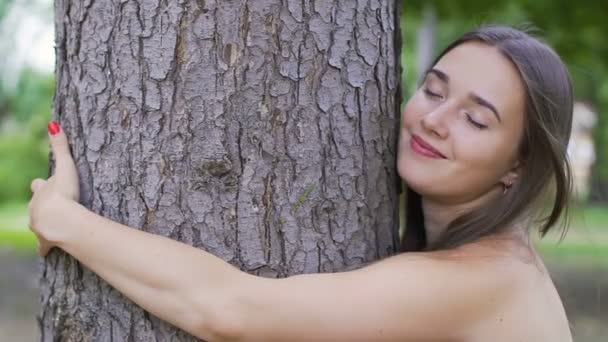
476, 98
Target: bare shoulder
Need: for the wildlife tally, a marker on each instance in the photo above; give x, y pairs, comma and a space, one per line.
532, 309
477, 268
479, 292
509, 292
397, 299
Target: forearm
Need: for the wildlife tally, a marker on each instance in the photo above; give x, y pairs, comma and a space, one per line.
176, 282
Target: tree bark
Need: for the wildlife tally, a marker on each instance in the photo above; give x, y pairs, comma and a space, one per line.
261, 131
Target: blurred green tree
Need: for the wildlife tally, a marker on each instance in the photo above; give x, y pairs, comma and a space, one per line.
31, 97
25, 153
24, 112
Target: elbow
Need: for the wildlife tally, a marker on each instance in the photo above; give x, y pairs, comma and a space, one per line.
223, 323
223, 330
227, 314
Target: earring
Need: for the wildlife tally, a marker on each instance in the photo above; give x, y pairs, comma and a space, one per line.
506, 187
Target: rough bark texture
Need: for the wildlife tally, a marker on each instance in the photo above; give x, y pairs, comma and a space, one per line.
261, 131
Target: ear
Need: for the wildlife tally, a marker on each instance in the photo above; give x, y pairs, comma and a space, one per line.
512, 175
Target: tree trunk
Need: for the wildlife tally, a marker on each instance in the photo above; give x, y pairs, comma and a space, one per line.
261, 131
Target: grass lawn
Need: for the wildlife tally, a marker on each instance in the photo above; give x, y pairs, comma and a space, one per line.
14, 232
586, 241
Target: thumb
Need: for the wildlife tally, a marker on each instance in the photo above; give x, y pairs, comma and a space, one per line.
37, 184
59, 141
61, 149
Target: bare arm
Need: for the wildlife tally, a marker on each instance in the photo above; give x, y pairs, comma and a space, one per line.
407, 297
178, 283
404, 298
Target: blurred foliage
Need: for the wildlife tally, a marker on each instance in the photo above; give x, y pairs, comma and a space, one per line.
25, 153
14, 232
18, 240
25, 108
4, 5
24, 113
14, 215
576, 30
31, 97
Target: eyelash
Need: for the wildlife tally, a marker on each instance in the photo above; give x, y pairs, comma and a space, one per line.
430, 93
469, 118
475, 123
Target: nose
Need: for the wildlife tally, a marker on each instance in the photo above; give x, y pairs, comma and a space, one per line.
435, 122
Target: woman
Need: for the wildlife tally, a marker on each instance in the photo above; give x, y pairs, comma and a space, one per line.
480, 141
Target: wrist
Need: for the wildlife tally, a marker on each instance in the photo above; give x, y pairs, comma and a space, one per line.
66, 221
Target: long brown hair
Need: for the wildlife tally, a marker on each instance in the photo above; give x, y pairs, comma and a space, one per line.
544, 171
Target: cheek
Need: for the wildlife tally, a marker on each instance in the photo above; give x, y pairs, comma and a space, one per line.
418, 172
494, 150
402, 158
482, 159
412, 112
478, 164
422, 174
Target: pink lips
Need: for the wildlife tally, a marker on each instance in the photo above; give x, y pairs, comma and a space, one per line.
423, 148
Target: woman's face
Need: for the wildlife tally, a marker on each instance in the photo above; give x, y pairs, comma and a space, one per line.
460, 131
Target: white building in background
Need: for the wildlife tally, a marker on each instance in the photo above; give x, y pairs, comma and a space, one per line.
581, 150
26, 40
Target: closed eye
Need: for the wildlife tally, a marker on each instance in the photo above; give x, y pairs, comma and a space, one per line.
475, 123
431, 94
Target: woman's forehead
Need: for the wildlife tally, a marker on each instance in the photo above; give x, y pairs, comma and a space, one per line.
478, 68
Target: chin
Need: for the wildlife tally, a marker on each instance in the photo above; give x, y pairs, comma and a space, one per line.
420, 182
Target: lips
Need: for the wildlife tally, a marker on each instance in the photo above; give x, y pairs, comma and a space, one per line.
423, 148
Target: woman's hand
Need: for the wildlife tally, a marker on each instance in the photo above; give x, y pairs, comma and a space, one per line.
46, 208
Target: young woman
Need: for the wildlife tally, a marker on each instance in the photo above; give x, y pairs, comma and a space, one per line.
481, 141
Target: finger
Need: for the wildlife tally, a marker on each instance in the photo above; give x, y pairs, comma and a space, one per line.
37, 184
65, 166
42, 249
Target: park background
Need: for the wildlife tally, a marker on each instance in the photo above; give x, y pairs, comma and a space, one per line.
577, 30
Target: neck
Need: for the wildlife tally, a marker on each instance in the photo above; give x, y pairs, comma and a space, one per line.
438, 215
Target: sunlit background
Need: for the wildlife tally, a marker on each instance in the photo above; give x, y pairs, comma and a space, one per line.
577, 30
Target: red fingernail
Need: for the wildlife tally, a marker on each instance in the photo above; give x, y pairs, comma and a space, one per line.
54, 128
